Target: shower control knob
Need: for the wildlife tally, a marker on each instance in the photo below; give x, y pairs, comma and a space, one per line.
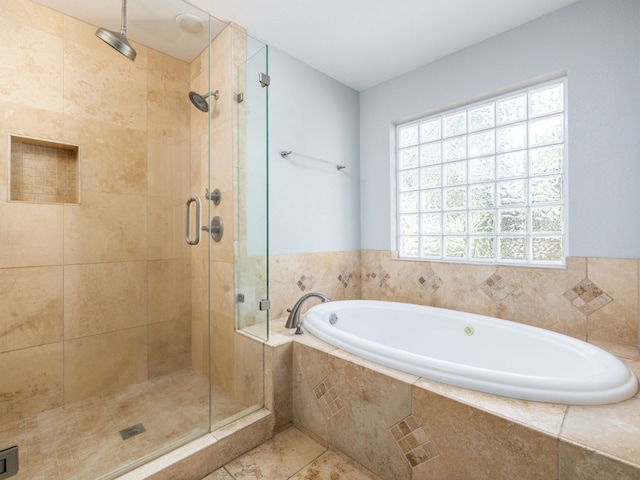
214, 196
215, 228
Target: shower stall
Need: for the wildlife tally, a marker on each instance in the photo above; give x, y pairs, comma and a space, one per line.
131, 322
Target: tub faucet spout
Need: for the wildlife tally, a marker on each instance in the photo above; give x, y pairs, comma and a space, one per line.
294, 313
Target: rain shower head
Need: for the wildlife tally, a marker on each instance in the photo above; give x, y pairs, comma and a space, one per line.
200, 101
118, 40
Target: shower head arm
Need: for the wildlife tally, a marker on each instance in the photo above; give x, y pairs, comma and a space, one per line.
123, 19
215, 95
116, 40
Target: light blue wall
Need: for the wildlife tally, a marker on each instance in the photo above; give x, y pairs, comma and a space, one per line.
313, 207
597, 43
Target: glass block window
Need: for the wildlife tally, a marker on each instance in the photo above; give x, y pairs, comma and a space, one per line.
485, 182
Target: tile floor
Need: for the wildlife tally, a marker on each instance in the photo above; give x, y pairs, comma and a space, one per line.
291, 455
82, 441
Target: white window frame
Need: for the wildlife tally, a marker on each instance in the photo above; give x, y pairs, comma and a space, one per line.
459, 167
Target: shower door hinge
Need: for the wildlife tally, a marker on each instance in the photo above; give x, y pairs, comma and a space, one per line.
264, 79
265, 304
240, 97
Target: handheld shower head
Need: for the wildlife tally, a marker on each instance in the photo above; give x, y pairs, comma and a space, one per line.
200, 101
118, 40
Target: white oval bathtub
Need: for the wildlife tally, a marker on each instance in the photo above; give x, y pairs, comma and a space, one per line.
474, 351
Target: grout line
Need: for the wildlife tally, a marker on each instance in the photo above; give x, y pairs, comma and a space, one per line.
308, 464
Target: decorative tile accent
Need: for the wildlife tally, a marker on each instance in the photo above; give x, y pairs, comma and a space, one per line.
497, 288
430, 280
381, 274
413, 441
345, 277
326, 394
587, 297
306, 282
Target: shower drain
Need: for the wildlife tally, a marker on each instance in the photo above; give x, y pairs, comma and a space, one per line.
132, 431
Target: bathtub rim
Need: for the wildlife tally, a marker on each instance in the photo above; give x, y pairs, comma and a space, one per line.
541, 389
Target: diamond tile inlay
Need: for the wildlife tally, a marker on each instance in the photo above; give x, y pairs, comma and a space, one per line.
430, 280
413, 441
306, 282
326, 394
587, 297
345, 277
497, 288
381, 275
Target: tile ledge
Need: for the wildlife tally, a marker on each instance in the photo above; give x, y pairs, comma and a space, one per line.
601, 453
629, 352
544, 417
194, 447
171, 458
241, 423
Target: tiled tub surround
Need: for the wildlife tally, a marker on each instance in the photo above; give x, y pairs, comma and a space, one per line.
595, 299
401, 426
335, 274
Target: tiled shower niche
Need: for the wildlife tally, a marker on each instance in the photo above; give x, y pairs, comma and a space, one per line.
43, 171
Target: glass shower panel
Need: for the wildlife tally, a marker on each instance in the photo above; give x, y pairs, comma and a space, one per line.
238, 324
252, 264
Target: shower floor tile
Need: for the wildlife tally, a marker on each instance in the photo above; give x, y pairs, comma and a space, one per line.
82, 441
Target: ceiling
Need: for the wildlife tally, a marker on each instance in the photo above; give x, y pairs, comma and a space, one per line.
149, 22
361, 43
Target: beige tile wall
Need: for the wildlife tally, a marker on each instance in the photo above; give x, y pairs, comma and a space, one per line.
209, 256
107, 281
592, 299
334, 274
438, 431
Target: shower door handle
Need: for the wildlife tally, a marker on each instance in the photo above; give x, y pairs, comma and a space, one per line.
191, 241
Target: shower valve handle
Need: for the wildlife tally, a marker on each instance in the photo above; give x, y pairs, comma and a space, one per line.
215, 228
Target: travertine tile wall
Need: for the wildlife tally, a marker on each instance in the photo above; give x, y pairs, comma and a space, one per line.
595, 299
334, 274
98, 293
